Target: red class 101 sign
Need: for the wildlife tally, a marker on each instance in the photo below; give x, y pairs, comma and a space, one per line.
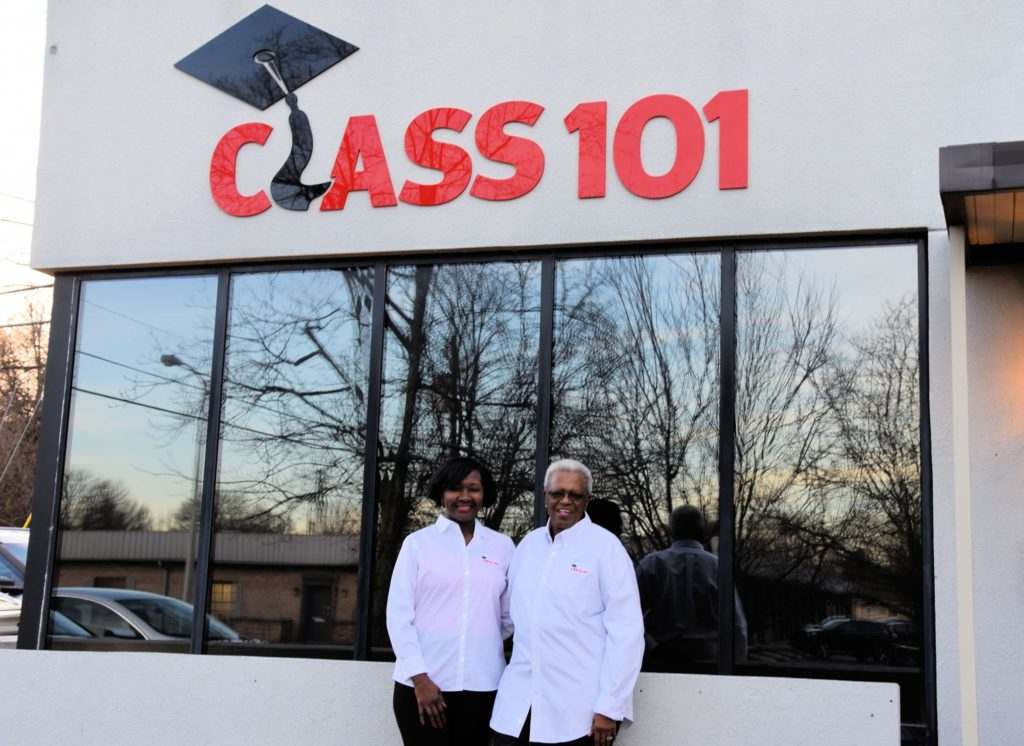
361, 164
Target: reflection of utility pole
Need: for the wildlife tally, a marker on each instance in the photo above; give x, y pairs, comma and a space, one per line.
173, 361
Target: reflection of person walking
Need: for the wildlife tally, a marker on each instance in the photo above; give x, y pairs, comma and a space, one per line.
679, 596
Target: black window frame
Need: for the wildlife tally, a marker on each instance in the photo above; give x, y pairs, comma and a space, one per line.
44, 534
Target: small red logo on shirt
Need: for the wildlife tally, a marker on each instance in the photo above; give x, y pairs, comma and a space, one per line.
579, 570
489, 561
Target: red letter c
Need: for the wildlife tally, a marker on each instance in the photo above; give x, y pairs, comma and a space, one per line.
223, 166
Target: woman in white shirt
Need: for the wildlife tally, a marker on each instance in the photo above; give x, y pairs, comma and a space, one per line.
447, 614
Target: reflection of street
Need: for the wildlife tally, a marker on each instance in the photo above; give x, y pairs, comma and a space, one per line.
783, 654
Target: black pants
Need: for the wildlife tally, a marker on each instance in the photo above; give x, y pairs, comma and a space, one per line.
500, 739
467, 719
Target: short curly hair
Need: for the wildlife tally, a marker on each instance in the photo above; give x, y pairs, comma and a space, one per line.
450, 474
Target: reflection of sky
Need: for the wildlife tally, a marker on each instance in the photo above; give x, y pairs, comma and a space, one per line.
864, 278
125, 327
277, 319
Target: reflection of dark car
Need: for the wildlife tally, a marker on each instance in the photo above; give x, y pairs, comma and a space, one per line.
808, 637
905, 647
864, 640
892, 642
133, 615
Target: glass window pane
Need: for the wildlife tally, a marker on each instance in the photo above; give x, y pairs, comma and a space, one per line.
290, 485
135, 451
828, 551
635, 397
460, 378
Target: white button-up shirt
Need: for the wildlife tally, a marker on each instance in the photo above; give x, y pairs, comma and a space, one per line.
447, 608
579, 634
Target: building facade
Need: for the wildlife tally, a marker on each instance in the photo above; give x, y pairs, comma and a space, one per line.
304, 252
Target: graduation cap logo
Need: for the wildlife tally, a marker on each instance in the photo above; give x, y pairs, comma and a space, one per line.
263, 58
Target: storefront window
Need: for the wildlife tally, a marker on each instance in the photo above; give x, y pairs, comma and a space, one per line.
827, 563
293, 432
460, 378
134, 459
828, 545
635, 388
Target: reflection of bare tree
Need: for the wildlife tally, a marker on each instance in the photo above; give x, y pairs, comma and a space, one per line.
876, 406
92, 503
827, 461
828, 495
635, 387
827, 464
294, 411
783, 420
234, 513
297, 55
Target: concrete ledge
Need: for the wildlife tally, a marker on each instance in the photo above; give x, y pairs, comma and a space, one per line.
131, 698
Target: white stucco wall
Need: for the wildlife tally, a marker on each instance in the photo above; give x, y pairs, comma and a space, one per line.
956, 689
849, 104
124, 699
995, 318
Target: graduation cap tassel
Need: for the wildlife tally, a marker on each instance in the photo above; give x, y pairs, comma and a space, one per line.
267, 56
287, 188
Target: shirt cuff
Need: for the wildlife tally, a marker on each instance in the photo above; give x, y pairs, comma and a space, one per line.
406, 668
611, 709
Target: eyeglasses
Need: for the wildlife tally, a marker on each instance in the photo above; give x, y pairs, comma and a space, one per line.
562, 494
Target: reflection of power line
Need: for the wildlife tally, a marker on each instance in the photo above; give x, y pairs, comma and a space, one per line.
125, 316
169, 379
182, 382
199, 418
154, 407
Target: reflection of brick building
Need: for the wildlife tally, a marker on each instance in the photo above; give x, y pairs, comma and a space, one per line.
277, 588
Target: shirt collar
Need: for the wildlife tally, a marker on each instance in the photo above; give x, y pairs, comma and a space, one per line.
687, 544
571, 531
444, 523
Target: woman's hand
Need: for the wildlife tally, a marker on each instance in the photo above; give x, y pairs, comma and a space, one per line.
429, 700
603, 730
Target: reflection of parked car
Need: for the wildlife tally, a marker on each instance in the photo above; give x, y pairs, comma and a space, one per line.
13, 556
61, 626
808, 637
893, 642
133, 615
10, 614
905, 648
864, 640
